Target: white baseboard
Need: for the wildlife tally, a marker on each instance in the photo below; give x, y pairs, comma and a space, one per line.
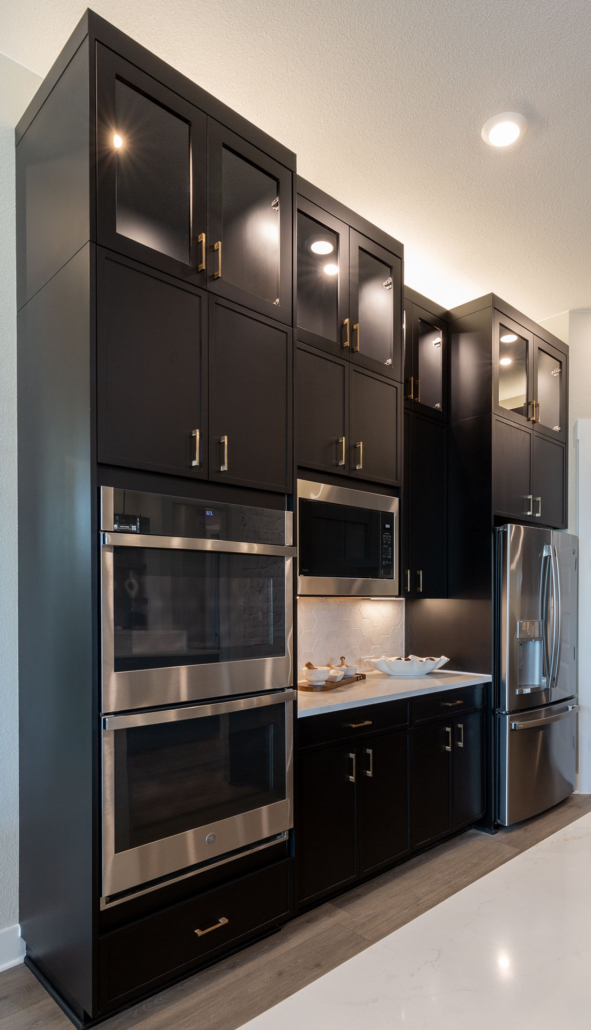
12, 947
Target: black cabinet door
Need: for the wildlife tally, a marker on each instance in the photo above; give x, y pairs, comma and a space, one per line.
321, 411
548, 482
430, 782
151, 369
375, 422
513, 348
550, 390
322, 279
325, 821
375, 306
250, 225
151, 170
468, 769
249, 398
426, 500
407, 586
408, 357
512, 468
382, 800
429, 376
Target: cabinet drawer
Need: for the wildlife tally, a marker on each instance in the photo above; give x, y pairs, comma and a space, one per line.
448, 703
352, 722
165, 945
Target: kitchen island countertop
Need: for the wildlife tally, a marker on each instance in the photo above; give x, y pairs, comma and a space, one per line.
380, 687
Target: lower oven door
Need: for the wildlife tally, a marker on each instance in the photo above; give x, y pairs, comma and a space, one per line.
186, 786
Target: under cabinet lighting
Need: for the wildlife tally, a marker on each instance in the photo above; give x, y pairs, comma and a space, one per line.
117, 141
504, 129
320, 245
331, 269
505, 361
508, 338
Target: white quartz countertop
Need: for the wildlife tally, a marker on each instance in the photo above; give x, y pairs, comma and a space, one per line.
510, 952
379, 687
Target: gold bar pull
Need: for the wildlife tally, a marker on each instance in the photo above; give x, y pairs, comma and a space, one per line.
224, 443
531, 418
218, 246
197, 438
201, 240
360, 446
420, 586
418, 396
355, 347
347, 340
357, 725
341, 441
537, 405
450, 704
410, 396
216, 926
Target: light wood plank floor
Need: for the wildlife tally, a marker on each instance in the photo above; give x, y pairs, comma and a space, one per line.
241, 987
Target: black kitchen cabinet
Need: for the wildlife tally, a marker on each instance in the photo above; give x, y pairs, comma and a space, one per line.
512, 470
151, 369
548, 482
424, 508
512, 356
468, 769
430, 782
325, 834
249, 398
382, 800
426, 357
349, 284
348, 420
550, 386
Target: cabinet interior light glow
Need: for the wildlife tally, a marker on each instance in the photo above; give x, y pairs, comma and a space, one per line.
331, 269
321, 247
508, 338
505, 361
117, 141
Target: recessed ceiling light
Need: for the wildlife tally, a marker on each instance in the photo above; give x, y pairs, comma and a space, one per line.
320, 245
505, 361
508, 338
331, 269
504, 129
117, 141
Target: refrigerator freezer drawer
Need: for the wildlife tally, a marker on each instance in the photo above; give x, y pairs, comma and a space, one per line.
537, 760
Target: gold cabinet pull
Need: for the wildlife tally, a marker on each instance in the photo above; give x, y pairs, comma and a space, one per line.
221, 922
407, 574
369, 770
224, 464
196, 457
448, 731
342, 443
359, 445
347, 340
353, 776
539, 511
461, 729
450, 704
201, 240
420, 586
410, 396
531, 418
355, 346
537, 405
218, 246
418, 396
357, 725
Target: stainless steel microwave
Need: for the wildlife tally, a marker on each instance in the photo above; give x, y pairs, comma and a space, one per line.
348, 542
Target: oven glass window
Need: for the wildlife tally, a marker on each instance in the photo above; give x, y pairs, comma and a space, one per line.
171, 777
337, 540
174, 607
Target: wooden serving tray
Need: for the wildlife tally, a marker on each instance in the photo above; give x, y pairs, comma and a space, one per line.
332, 686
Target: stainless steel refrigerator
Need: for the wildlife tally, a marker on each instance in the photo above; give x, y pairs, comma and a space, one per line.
536, 640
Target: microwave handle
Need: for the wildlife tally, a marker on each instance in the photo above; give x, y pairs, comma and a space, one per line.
126, 722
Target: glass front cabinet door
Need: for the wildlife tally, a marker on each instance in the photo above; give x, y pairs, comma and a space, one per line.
512, 364
151, 157
322, 279
425, 362
549, 392
375, 285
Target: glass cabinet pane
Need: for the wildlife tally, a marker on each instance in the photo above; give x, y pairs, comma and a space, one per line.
250, 227
318, 278
513, 371
430, 365
153, 174
549, 391
376, 308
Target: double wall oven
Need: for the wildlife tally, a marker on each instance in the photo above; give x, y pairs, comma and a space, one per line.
197, 666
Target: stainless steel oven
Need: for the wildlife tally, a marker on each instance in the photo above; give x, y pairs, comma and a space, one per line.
347, 542
196, 600
185, 788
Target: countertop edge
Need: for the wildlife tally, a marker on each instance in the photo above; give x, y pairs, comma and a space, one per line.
334, 705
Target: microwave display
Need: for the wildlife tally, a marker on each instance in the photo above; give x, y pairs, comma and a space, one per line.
345, 542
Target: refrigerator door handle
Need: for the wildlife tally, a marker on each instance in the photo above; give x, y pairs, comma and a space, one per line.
556, 617
544, 602
536, 723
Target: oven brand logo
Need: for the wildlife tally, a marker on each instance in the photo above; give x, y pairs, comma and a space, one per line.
210, 838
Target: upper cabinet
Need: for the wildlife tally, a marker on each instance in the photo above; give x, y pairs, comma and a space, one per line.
425, 357
349, 284
181, 192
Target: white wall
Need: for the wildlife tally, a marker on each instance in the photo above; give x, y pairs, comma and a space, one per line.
17, 85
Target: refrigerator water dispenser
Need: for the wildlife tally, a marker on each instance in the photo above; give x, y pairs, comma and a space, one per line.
531, 656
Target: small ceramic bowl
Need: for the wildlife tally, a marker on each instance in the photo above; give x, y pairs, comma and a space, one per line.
411, 666
318, 676
335, 675
348, 670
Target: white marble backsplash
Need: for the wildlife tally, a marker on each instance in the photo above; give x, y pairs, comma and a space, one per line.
329, 627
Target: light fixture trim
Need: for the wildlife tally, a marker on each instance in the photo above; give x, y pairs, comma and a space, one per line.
504, 129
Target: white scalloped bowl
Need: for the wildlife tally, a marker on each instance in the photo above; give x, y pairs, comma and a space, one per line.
411, 666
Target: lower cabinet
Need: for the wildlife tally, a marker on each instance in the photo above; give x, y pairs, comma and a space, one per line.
352, 812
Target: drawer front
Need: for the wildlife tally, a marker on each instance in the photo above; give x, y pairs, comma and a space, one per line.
448, 702
352, 722
166, 944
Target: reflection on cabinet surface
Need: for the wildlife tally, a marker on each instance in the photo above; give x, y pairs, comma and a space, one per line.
348, 421
349, 284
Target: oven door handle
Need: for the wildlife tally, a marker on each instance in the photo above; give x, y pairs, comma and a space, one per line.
126, 722
188, 543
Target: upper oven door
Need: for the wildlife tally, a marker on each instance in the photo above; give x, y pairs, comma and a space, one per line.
347, 542
187, 619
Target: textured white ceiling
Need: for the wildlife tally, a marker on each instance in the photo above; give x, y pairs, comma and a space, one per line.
383, 101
